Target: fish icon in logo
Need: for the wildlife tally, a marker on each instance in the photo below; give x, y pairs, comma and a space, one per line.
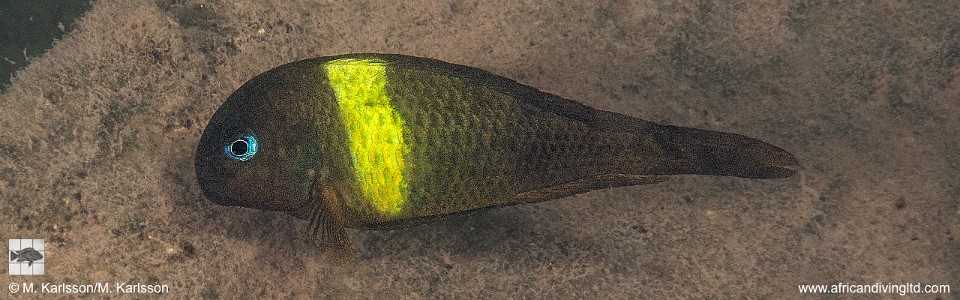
26, 254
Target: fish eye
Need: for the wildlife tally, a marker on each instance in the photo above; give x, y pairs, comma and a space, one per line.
241, 148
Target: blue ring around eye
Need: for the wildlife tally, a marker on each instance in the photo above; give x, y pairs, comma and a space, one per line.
241, 148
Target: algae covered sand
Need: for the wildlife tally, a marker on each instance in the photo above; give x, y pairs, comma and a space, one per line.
97, 138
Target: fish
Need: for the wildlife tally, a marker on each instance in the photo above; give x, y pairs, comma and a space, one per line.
385, 141
29, 255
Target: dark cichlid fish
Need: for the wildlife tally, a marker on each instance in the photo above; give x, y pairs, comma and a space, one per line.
382, 141
29, 255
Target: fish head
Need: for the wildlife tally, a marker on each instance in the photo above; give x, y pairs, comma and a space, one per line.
259, 148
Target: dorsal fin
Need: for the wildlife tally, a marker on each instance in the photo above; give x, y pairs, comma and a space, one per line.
548, 102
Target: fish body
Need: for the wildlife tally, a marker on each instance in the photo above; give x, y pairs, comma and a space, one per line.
384, 141
26, 254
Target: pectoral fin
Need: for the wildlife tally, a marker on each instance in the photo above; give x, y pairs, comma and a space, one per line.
327, 222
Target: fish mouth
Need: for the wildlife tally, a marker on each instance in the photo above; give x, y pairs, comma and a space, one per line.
211, 180
217, 197
212, 190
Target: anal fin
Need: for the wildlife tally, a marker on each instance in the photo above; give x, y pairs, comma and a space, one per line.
585, 185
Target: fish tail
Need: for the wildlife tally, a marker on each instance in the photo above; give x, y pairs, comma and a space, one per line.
705, 152
13, 256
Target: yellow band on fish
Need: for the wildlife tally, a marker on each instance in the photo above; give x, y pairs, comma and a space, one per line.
375, 130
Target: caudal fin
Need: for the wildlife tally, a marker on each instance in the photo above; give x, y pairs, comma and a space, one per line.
13, 256
697, 151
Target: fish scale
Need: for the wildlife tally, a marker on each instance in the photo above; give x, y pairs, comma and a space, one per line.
477, 170
448, 143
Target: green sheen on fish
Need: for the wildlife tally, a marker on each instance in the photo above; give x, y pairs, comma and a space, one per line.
383, 141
